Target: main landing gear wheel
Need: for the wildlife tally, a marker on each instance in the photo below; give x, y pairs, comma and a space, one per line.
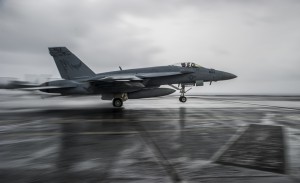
117, 102
182, 99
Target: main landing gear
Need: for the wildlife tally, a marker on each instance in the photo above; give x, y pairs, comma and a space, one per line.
119, 99
117, 102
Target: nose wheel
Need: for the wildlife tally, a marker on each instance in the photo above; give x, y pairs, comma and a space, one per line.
182, 99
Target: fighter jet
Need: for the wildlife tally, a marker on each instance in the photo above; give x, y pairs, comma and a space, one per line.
121, 85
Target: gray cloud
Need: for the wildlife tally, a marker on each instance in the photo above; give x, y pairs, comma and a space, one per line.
257, 40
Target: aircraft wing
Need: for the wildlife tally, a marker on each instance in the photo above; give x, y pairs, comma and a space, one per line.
120, 78
158, 74
133, 77
47, 87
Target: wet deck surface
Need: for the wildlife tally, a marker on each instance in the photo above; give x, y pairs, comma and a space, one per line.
152, 140
259, 147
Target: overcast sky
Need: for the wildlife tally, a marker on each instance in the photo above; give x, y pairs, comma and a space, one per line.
257, 40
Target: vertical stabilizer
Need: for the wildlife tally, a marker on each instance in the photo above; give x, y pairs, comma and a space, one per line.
69, 66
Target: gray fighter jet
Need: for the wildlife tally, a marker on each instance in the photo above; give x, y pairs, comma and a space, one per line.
121, 85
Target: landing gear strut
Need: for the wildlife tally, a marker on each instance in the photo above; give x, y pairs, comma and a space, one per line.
182, 98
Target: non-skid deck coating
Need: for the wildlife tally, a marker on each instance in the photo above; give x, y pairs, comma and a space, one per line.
259, 147
153, 140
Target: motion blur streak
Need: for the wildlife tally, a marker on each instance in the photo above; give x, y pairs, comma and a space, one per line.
75, 140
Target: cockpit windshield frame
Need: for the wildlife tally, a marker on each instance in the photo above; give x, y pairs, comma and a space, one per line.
188, 65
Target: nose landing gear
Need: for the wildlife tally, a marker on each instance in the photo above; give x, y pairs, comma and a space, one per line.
182, 98
182, 91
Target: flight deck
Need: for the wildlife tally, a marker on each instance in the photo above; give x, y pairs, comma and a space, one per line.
207, 139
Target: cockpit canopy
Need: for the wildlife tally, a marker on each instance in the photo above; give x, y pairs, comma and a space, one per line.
187, 64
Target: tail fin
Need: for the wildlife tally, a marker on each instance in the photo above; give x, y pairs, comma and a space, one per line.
69, 66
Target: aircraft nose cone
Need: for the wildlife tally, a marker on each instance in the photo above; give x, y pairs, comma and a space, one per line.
227, 75
232, 76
